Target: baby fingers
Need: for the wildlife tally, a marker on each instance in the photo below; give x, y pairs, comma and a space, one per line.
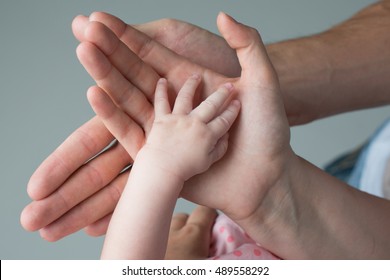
184, 99
222, 123
220, 148
209, 108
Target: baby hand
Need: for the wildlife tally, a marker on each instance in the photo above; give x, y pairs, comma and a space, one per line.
186, 141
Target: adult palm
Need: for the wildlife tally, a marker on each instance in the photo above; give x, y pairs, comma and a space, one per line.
127, 64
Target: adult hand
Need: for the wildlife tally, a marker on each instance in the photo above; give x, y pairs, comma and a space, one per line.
196, 44
260, 139
53, 184
184, 141
253, 145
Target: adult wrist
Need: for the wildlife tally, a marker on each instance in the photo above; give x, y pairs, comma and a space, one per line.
276, 224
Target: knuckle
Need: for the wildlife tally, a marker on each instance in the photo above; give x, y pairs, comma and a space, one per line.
254, 32
125, 97
180, 216
167, 22
146, 48
94, 176
185, 97
210, 104
223, 121
192, 230
114, 193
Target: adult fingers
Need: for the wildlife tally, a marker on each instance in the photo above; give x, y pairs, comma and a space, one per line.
140, 74
258, 74
79, 24
83, 144
185, 97
207, 110
99, 227
119, 123
121, 91
127, 63
173, 34
164, 61
87, 212
159, 57
85, 182
256, 66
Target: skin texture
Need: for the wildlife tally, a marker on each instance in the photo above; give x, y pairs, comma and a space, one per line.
310, 85
190, 235
67, 224
183, 142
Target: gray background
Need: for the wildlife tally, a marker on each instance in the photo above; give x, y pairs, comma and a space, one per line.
42, 92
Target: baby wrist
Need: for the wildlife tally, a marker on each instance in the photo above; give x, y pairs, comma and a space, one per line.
158, 161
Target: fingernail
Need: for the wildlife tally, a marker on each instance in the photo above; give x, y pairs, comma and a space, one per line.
162, 81
228, 86
195, 76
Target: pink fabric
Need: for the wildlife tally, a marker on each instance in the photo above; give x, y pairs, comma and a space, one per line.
230, 242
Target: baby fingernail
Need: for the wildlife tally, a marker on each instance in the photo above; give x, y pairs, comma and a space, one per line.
162, 81
195, 76
228, 86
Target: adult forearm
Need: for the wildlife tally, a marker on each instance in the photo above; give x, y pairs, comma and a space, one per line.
350, 224
312, 215
343, 69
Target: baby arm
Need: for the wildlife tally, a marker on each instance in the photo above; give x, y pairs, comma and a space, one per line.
183, 142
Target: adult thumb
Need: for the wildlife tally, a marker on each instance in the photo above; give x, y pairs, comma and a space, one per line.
250, 49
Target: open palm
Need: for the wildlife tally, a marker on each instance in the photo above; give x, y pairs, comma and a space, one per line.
128, 69
260, 138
